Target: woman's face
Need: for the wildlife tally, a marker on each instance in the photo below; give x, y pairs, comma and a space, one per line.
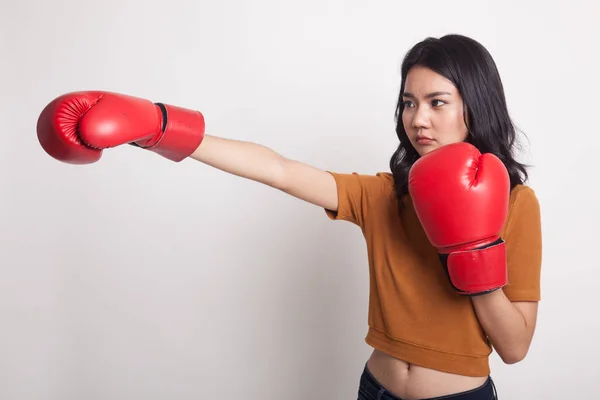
433, 111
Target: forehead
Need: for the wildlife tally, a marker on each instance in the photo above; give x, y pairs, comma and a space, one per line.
421, 80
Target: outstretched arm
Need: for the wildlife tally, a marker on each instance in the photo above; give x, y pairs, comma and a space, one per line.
262, 164
76, 127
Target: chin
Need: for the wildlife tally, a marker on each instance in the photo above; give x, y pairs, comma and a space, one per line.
422, 150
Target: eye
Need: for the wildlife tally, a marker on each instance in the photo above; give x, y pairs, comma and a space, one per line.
408, 104
437, 103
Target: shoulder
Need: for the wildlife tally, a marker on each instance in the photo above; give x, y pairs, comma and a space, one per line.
523, 197
378, 176
358, 194
522, 190
524, 210
378, 181
385, 178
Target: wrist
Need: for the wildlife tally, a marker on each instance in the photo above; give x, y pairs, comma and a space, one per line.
487, 297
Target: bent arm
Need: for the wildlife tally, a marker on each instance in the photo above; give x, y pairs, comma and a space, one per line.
262, 164
509, 325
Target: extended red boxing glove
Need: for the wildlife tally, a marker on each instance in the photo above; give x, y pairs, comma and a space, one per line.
76, 127
461, 199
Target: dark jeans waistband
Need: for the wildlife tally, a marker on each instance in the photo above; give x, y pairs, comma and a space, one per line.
371, 389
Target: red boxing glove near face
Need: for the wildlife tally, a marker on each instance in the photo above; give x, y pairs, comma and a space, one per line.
461, 199
76, 127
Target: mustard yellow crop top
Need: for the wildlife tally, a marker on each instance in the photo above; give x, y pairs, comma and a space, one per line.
414, 313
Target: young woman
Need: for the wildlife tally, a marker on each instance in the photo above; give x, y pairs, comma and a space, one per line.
454, 249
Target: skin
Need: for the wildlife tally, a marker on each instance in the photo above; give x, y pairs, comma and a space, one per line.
433, 110
433, 117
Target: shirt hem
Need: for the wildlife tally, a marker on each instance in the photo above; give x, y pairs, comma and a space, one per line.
476, 366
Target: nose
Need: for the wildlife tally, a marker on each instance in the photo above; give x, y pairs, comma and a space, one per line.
421, 118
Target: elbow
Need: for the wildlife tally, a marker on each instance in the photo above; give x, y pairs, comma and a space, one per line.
514, 355
512, 359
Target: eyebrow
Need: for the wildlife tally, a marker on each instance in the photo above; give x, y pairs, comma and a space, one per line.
428, 96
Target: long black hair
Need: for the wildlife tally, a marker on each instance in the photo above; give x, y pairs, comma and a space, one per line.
471, 68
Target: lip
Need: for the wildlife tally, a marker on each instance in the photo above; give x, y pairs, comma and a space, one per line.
424, 140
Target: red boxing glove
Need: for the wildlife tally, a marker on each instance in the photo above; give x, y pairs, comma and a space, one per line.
461, 199
76, 127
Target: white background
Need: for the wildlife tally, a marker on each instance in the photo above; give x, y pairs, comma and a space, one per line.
136, 277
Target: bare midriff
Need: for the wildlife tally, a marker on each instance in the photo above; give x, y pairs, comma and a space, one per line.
412, 382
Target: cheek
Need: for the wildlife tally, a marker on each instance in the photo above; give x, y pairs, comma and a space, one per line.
406, 122
457, 123
405, 119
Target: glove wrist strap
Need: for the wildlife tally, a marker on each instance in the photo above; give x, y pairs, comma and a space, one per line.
181, 132
477, 271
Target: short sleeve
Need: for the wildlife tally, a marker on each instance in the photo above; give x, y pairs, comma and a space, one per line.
523, 237
356, 194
